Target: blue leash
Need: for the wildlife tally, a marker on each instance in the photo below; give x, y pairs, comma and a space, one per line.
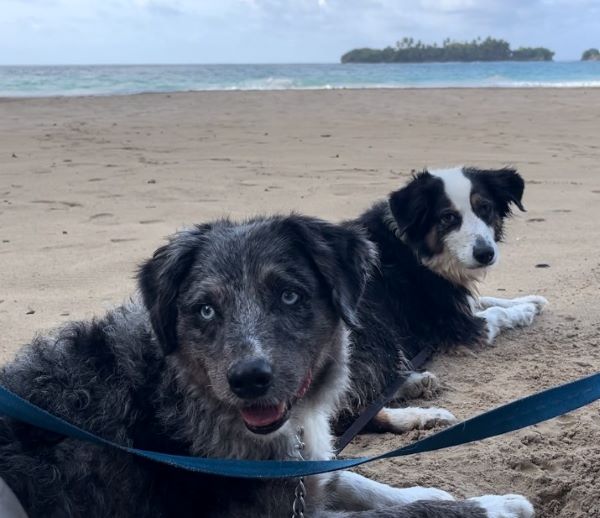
507, 418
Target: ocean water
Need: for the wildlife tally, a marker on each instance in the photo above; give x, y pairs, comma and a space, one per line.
20, 81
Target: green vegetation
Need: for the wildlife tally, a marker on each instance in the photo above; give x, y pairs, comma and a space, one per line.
531, 54
409, 51
591, 55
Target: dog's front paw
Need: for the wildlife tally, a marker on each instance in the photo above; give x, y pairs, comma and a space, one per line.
435, 416
524, 313
537, 300
401, 420
420, 385
505, 506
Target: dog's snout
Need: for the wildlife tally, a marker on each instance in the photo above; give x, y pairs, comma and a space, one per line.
250, 379
483, 252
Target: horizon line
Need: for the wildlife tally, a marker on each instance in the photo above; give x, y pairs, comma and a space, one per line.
265, 63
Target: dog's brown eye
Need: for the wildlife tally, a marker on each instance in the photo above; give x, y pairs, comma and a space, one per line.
207, 312
289, 297
448, 219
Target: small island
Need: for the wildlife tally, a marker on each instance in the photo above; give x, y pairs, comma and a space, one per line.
409, 51
591, 55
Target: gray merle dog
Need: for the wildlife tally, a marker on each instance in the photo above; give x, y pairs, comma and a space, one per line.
239, 340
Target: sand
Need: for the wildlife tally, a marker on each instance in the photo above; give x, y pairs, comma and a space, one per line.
90, 186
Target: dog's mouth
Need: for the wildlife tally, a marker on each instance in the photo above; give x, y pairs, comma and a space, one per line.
264, 419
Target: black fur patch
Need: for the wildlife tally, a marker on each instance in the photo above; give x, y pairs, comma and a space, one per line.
160, 278
504, 186
416, 210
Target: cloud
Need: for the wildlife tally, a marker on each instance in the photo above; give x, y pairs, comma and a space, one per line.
37, 31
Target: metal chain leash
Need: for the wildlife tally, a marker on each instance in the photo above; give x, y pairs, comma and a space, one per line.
300, 491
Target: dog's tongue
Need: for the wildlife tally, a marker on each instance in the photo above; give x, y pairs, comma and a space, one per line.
259, 416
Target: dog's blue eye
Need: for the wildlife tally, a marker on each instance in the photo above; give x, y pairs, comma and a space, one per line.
289, 297
207, 312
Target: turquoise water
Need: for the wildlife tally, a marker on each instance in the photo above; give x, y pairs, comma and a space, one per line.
108, 80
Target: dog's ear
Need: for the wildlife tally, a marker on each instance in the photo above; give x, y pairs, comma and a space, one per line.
160, 278
412, 204
342, 255
505, 185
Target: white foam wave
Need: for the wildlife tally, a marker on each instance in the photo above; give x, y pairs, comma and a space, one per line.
365, 86
548, 84
286, 83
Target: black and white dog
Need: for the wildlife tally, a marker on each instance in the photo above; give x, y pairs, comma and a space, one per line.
436, 238
239, 341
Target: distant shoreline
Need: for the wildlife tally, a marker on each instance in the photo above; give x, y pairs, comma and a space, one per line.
407, 50
301, 63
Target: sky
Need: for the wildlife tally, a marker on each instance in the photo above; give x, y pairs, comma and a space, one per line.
276, 31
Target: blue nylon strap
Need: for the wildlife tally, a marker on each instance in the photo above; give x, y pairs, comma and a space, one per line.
507, 418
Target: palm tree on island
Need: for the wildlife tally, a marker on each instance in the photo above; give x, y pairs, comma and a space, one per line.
409, 51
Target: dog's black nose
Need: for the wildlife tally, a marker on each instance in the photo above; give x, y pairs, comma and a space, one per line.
483, 253
250, 379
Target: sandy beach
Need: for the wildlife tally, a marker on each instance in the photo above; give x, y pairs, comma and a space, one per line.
91, 186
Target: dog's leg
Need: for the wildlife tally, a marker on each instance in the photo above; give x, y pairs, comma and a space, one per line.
352, 492
354, 496
499, 318
10, 507
401, 420
490, 506
419, 385
489, 302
